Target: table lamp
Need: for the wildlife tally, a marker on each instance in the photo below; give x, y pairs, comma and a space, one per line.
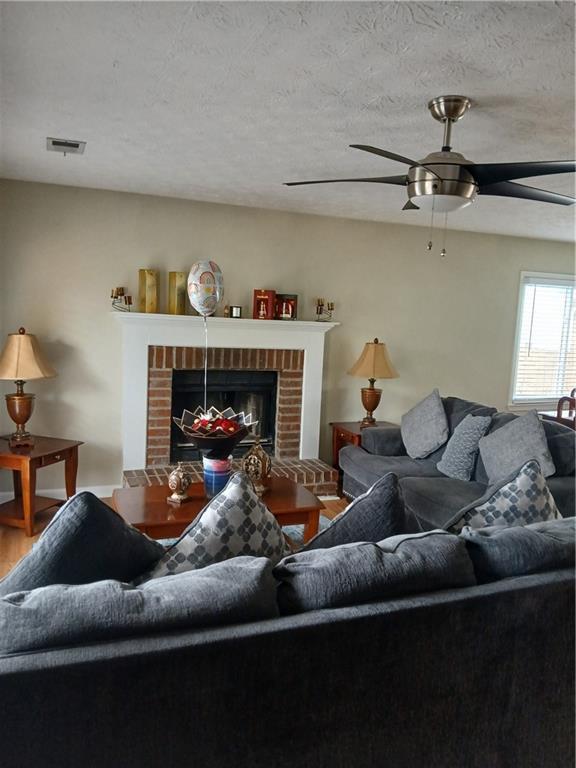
372, 364
21, 360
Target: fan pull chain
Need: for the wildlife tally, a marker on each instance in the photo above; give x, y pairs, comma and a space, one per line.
443, 251
429, 246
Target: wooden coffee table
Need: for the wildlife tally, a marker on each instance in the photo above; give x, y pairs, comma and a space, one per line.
145, 507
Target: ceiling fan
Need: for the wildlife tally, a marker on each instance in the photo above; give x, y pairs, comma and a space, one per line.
446, 181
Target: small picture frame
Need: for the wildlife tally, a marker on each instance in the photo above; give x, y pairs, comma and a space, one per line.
286, 306
264, 305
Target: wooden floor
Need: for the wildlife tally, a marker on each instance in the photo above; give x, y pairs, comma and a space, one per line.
14, 544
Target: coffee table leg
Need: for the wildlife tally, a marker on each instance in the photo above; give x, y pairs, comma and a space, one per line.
311, 525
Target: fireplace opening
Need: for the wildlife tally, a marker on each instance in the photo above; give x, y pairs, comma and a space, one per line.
249, 391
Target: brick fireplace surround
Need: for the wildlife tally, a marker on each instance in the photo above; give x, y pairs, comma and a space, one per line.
155, 345
289, 364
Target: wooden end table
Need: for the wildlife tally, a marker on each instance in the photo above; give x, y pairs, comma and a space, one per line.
145, 507
19, 513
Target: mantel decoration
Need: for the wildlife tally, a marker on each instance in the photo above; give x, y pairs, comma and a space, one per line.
20, 361
215, 433
121, 301
324, 310
179, 481
373, 363
257, 464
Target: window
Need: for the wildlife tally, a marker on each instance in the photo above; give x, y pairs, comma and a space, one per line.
545, 352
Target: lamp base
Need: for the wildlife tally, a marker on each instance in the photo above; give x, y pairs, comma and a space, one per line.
20, 406
370, 401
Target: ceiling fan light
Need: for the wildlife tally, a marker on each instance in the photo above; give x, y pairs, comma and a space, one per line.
441, 203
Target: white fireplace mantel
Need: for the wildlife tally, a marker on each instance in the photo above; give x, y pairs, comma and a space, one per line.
140, 331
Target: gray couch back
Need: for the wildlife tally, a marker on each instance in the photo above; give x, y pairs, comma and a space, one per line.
481, 676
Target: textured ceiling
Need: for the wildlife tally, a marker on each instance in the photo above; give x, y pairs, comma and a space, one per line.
225, 101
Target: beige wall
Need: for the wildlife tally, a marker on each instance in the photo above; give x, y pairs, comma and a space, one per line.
448, 323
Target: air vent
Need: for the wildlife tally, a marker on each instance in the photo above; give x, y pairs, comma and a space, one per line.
67, 146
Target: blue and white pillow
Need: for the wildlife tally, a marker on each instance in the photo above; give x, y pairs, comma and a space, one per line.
233, 523
520, 499
461, 451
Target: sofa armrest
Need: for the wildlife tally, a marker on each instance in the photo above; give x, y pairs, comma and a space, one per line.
383, 441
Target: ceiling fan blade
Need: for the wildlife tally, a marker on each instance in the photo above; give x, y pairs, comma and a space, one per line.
400, 180
510, 189
492, 173
385, 153
410, 206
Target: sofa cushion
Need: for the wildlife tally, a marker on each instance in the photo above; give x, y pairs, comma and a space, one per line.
235, 522
498, 421
85, 541
425, 427
237, 591
519, 499
367, 571
512, 445
434, 501
561, 445
498, 553
462, 449
373, 516
564, 492
367, 468
456, 410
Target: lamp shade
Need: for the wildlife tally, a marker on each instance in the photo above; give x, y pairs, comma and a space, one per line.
22, 359
374, 362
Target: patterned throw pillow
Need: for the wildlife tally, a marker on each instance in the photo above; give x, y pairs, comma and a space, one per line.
519, 500
460, 455
235, 522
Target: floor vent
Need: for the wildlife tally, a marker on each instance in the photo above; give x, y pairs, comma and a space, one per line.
67, 146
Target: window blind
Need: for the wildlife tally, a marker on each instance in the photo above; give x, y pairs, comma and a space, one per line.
545, 354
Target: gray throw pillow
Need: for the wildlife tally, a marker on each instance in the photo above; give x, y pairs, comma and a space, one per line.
518, 441
459, 458
520, 499
498, 553
235, 522
366, 571
85, 541
226, 593
425, 427
373, 516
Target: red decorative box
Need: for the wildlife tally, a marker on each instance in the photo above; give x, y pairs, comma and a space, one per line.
286, 306
264, 305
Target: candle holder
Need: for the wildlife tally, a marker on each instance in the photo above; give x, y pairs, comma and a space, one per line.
121, 301
324, 310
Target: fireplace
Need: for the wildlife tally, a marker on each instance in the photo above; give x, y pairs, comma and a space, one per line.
154, 345
234, 376
245, 390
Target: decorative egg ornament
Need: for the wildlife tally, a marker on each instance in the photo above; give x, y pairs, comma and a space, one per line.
205, 287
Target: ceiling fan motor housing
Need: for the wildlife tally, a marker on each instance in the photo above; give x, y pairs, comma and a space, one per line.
442, 179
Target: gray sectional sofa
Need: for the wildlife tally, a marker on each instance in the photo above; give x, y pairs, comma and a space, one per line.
431, 497
476, 677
